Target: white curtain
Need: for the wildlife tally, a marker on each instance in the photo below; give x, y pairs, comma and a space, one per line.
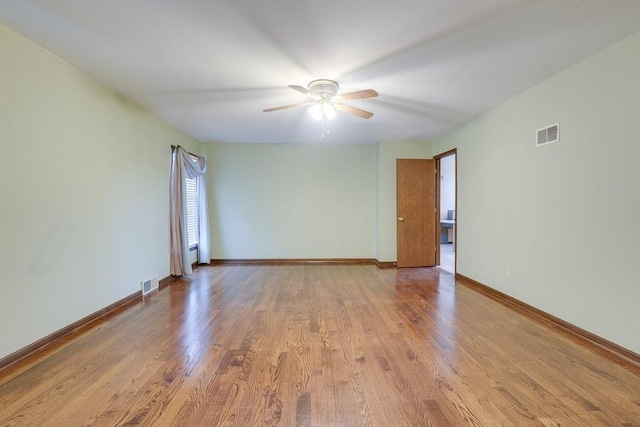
183, 166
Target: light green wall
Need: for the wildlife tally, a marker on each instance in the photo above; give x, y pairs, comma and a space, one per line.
292, 200
84, 179
85, 193
565, 217
298, 201
386, 226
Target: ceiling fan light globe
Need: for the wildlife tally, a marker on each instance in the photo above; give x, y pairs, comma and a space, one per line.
316, 111
328, 111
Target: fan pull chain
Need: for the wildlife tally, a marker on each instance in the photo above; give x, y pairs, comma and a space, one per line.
325, 125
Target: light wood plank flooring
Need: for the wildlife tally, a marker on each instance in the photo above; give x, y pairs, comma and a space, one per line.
318, 346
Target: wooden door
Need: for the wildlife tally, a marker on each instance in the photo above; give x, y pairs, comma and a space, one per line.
416, 212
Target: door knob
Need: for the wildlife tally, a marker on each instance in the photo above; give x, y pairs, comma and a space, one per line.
401, 219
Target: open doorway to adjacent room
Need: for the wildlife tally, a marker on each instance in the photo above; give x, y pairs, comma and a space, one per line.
446, 166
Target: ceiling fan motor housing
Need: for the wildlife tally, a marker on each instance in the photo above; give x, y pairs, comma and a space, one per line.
323, 89
323, 99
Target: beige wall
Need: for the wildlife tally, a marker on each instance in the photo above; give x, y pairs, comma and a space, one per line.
84, 178
565, 217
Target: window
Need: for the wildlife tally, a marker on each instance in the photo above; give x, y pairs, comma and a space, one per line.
192, 213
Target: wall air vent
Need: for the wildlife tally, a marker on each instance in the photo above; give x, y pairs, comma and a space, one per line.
149, 285
548, 135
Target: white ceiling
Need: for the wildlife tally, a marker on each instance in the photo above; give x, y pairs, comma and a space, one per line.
211, 67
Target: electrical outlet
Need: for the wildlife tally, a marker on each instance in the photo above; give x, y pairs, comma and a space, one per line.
338, 244
507, 271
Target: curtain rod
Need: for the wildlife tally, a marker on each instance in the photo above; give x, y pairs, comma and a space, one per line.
177, 146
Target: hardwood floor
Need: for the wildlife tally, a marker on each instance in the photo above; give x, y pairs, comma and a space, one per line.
318, 346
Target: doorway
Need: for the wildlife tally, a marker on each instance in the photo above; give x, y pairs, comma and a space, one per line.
446, 164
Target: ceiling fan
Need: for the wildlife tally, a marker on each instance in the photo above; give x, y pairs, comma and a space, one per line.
324, 100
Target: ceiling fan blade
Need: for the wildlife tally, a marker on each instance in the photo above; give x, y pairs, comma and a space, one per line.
360, 94
353, 110
302, 90
284, 107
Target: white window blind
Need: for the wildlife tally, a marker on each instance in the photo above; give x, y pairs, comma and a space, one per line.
192, 212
